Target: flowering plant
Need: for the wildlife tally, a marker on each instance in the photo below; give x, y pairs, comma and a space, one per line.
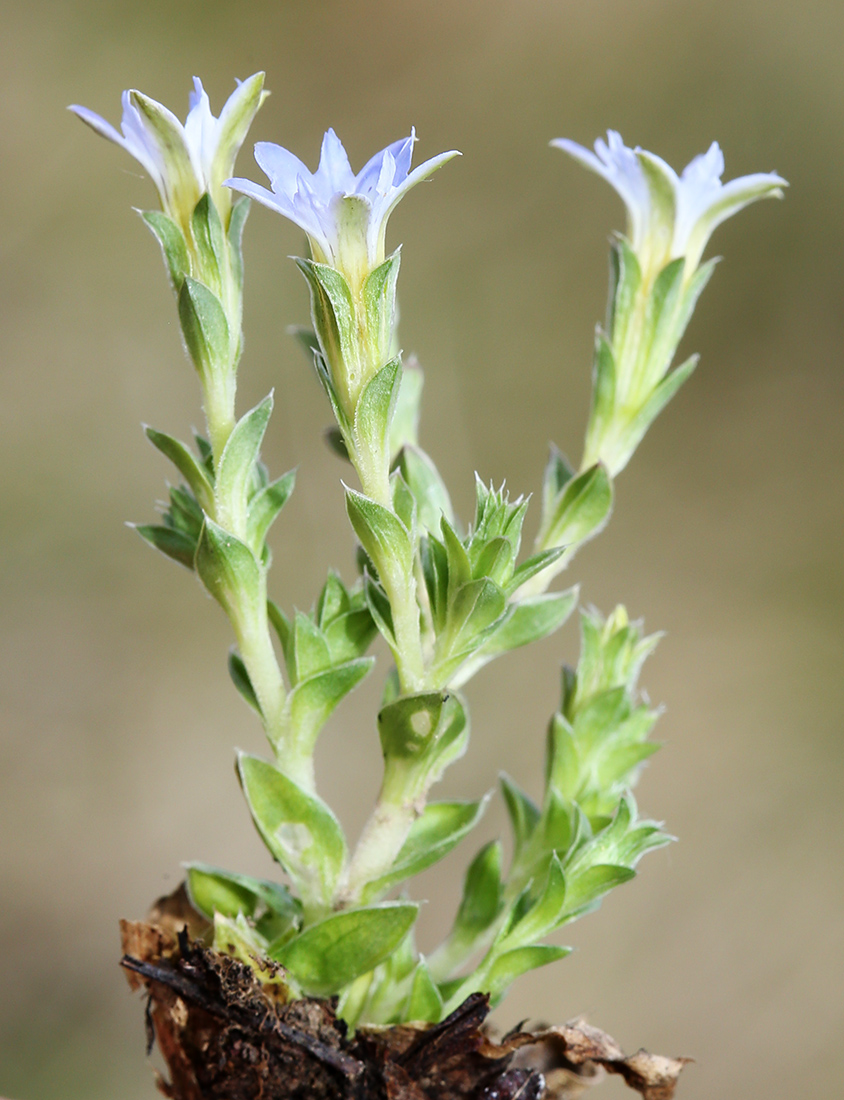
446, 596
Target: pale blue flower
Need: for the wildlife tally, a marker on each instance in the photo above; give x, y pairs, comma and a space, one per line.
344, 215
669, 215
184, 161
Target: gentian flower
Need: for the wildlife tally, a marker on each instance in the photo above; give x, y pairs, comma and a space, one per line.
669, 215
344, 215
185, 161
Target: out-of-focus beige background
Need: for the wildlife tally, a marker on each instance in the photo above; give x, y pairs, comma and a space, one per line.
117, 717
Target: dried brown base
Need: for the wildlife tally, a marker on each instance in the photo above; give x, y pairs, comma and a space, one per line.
224, 1036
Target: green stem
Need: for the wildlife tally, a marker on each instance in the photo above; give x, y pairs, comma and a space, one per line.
375, 482
381, 841
254, 641
410, 662
219, 397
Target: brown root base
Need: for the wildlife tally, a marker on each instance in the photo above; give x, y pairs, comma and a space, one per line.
225, 1036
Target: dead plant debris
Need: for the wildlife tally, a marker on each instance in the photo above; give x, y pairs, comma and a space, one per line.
224, 1035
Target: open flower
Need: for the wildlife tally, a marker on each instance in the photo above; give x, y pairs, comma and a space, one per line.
185, 161
344, 215
669, 215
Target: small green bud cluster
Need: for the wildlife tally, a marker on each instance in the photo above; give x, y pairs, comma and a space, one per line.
446, 598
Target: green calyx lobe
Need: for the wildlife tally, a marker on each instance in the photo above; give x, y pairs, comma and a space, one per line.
354, 328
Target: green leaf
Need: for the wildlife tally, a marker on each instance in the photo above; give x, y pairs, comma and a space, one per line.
184, 513
240, 679
212, 890
581, 510
512, 964
192, 471
350, 635
424, 1002
563, 765
558, 473
527, 621
404, 431
310, 649
378, 295
661, 314
237, 463
300, 831
524, 814
441, 826
603, 386
335, 323
692, 291
534, 564
408, 725
448, 991
265, 506
379, 608
374, 413
599, 716
173, 245
227, 568
434, 560
209, 239
588, 886
333, 600
404, 503
474, 609
557, 825
482, 891
494, 561
424, 734
338, 949
656, 402
428, 488
353, 998
617, 765
452, 737
175, 544
382, 535
532, 619
344, 426
480, 906
206, 453
459, 565
312, 701
237, 220
608, 844
239, 939
205, 328
544, 915
283, 628
495, 515
626, 280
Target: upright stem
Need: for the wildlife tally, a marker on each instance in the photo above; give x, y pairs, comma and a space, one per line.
410, 662
219, 397
249, 619
381, 841
400, 802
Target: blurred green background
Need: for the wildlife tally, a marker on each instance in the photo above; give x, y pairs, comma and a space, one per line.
117, 719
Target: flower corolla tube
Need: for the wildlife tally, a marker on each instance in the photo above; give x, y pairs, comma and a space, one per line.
669, 215
184, 161
344, 215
